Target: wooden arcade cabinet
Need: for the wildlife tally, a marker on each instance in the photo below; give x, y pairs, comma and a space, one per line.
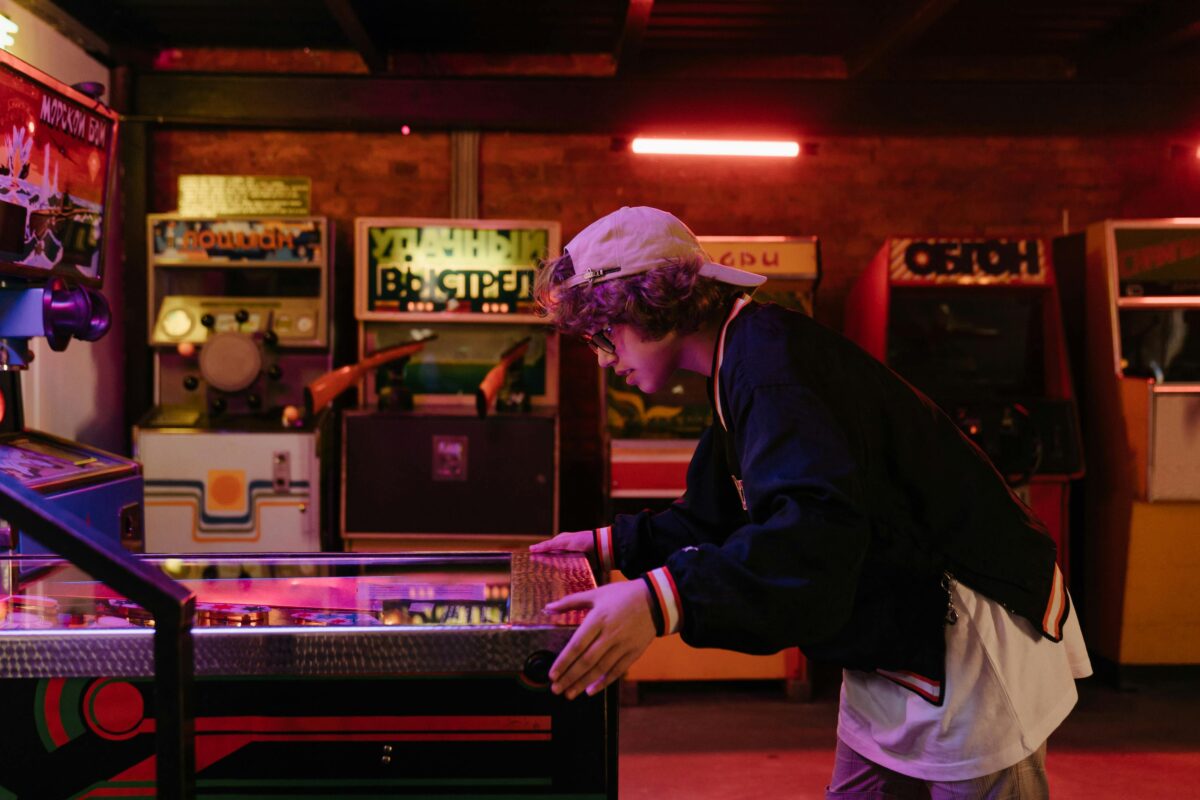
1139, 283
428, 460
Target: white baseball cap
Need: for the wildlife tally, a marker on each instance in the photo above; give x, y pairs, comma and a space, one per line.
632, 240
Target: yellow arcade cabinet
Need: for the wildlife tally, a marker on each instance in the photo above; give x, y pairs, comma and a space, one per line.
1139, 283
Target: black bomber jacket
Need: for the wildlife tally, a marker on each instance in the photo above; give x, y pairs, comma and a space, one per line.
826, 507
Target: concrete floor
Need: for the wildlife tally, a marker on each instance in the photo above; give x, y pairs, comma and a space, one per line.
739, 741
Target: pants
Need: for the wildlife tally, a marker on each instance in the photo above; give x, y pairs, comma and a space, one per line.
856, 778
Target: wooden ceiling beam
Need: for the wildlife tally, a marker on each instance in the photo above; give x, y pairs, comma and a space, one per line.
629, 44
1135, 42
348, 19
683, 107
894, 36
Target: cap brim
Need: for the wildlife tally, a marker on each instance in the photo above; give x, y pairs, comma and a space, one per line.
731, 275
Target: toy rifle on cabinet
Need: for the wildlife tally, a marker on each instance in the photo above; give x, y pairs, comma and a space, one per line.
324, 389
502, 376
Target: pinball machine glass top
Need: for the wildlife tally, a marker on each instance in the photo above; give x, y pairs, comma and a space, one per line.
237, 592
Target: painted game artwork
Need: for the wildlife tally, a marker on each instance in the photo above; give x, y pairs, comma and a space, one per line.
55, 148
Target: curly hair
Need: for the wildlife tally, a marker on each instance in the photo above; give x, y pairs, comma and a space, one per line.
671, 297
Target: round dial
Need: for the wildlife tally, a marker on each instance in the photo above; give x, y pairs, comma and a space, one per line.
177, 322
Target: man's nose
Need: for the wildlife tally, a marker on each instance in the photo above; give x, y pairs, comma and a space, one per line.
605, 360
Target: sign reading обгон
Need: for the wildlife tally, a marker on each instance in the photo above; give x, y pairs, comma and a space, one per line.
967, 261
453, 268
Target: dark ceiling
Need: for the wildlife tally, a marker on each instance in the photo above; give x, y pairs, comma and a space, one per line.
615, 65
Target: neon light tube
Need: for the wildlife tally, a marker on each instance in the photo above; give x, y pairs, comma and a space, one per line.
715, 147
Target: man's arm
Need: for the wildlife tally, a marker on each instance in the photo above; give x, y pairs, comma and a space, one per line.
707, 512
787, 577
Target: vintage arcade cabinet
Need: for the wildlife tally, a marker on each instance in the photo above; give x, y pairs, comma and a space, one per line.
317, 675
58, 146
428, 461
975, 324
239, 325
651, 439
1138, 283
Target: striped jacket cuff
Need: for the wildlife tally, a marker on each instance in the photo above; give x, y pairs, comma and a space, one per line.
603, 547
1056, 607
666, 595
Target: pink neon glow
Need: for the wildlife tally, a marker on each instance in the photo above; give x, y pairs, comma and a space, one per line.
715, 147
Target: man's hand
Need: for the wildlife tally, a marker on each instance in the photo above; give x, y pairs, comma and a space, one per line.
617, 629
568, 541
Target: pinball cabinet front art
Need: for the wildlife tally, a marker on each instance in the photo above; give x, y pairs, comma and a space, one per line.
316, 676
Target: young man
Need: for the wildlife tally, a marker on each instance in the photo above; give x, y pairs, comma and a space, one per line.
829, 506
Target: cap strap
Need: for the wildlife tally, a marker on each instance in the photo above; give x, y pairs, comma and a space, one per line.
590, 276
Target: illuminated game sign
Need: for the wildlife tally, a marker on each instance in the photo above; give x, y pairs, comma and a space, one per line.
449, 266
967, 261
773, 256
56, 145
1158, 261
236, 241
243, 195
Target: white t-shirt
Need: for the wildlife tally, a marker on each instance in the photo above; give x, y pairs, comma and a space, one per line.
1007, 689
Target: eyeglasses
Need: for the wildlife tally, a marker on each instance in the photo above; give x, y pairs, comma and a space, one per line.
600, 343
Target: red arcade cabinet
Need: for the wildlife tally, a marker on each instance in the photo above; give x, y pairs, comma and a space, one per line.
975, 324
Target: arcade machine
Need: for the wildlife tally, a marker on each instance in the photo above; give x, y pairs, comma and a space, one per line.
1136, 284
975, 324
456, 447
323, 675
239, 325
651, 439
54, 177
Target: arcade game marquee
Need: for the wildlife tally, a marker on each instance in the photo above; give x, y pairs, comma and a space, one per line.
456, 446
239, 325
57, 148
975, 324
1135, 288
651, 439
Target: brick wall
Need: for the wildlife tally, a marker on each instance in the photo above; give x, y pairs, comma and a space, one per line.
853, 193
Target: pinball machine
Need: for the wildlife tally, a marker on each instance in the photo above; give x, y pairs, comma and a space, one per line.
239, 325
650, 441
457, 446
1133, 290
316, 675
55, 179
976, 325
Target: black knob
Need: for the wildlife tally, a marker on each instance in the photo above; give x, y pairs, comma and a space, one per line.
274, 372
271, 338
537, 668
241, 315
218, 405
253, 400
191, 382
208, 320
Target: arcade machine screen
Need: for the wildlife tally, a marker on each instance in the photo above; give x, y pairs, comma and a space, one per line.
1161, 343
1158, 270
967, 346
